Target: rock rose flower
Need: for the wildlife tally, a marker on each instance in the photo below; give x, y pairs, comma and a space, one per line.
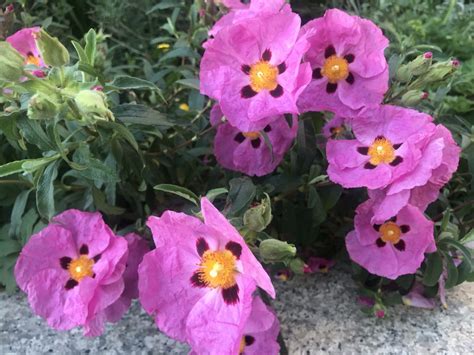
24, 41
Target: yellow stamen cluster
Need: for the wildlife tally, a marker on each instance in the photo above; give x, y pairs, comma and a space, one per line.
32, 60
263, 76
251, 135
80, 268
390, 232
335, 68
381, 151
217, 269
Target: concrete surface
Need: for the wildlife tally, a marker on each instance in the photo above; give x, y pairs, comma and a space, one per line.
318, 315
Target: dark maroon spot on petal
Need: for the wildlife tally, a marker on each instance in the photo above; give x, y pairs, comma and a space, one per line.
396, 146
363, 150
317, 73
405, 228
267, 129
369, 166
281, 68
256, 143
84, 250
400, 245
234, 248
249, 340
379, 137
277, 92
97, 257
393, 219
64, 262
376, 227
201, 246
231, 294
70, 284
246, 69
93, 276
247, 92
350, 79
239, 137
329, 51
349, 57
380, 243
267, 55
322, 266
331, 88
196, 281
245, 2
396, 161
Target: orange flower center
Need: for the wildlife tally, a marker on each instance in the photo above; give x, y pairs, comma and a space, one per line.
242, 345
80, 268
251, 135
390, 232
32, 60
263, 76
335, 68
381, 151
217, 268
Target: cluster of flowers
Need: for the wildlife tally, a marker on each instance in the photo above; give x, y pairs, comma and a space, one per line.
260, 65
199, 284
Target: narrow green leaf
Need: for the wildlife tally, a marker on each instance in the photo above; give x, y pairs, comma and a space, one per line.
212, 194
8, 247
140, 114
190, 83
91, 45
122, 131
434, 268
80, 52
45, 191
17, 213
179, 191
452, 278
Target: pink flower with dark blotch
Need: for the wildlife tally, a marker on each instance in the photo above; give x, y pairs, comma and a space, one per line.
248, 152
253, 69
391, 148
24, 41
349, 67
391, 248
199, 281
413, 190
137, 248
72, 271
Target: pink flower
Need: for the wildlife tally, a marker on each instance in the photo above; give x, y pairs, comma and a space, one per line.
391, 148
439, 160
72, 271
337, 127
349, 67
252, 68
393, 248
24, 41
248, 152
316, 264
200, 277
137, 248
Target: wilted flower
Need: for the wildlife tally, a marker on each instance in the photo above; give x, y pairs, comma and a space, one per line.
415, 298
24, 41
252, 68
199, 277
72, 271
393, 247
248, 152
348, 63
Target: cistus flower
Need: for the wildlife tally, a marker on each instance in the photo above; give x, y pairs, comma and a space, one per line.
72, 271
253, 69
393, 247
337, 127
391, 147
248, 152
420, 187
348, 64
317, 264
137, 248
24, 41
198, 282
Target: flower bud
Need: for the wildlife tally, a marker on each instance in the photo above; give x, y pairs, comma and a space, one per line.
418, 66
92, 106
297, 266
52, 51
440, 71
413, 97
273, 250
40, 107
259, 217
11, 63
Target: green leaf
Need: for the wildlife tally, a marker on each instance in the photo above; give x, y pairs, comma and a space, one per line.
121, 131
8, 247
212, 194
190, 83
242, 192
180, 191
446, 243
17, 213
434, 268
81, 53
52, 50
45, 191
102, 205
26, 165
125, 82
181, 52
140, 114
91, 45
452, 279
